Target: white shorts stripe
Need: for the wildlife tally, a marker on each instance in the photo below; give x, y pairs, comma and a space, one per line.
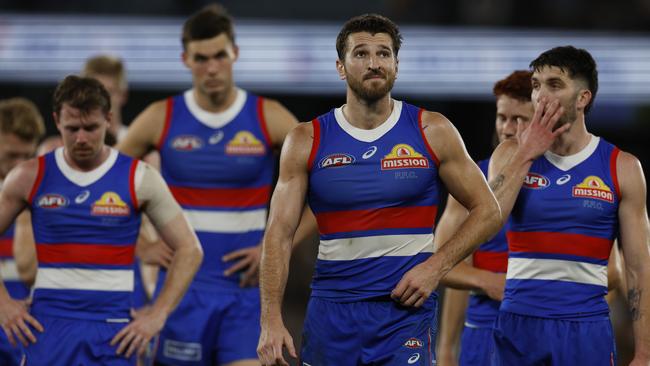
227, 221
84, 279
9, 270
556, 270
375, 246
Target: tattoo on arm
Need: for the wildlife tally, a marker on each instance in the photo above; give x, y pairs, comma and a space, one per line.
634, 301
497, 182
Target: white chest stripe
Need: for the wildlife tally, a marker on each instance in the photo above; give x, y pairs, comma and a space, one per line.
556, 270
375, 246
84, 279
227, 221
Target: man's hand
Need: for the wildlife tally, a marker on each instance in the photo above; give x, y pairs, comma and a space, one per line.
537, 136
493, 284
416, 285
135, 337
249, 259
157, 253
273, 338
14, 318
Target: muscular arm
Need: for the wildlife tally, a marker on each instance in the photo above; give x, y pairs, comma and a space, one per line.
465, 276
24, 248
165, 214
168, 219
635, 242
145, 131
13, 199
286, 209
466, 184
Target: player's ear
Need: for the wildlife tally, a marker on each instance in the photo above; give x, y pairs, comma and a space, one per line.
340, 68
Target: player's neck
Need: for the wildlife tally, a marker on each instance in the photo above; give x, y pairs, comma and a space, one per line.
367, 115
215, 103
572, 141
86, 166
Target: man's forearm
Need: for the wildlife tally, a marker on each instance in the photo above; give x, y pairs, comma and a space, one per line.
481, 224
463, 277
638, 298
185, 263
507, 183
274, 270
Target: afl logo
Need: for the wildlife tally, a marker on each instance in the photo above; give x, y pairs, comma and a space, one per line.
413, 343
51, 201
535, 181
187, 143
336, 160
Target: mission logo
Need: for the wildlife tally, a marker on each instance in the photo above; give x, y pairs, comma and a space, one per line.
110, 204
593, 187
245, 143
403, 156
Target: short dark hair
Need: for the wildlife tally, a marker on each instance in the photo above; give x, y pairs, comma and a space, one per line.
83, 93
576, 62
20, 117
207, 23
516, 85
371, 23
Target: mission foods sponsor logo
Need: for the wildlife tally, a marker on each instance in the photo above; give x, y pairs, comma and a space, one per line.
187, 143
593, 187
336, 160
535, 181
110, 204
413, 343
245, 143
403, 156
51, 201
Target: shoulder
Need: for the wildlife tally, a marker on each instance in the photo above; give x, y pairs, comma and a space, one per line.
22, 178
629, 169
436, 121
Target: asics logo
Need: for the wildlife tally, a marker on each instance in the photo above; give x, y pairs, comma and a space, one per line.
368, 154
563, 179
82, 197
216, 138
413, 359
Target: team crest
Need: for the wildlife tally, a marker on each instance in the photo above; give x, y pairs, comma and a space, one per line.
336, 160
110, 204
51, 201
245, 143
187, 143
593, 187
403, 156
535, 181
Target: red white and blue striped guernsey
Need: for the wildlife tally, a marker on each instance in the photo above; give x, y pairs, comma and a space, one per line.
561, 232
375, 195
85, 227
219, 167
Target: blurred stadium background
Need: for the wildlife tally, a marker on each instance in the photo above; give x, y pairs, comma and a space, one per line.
453, 52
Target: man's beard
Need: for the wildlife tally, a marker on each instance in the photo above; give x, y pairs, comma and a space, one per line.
569, 115
369, 93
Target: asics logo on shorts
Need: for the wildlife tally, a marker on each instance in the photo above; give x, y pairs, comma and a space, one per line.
414, 358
